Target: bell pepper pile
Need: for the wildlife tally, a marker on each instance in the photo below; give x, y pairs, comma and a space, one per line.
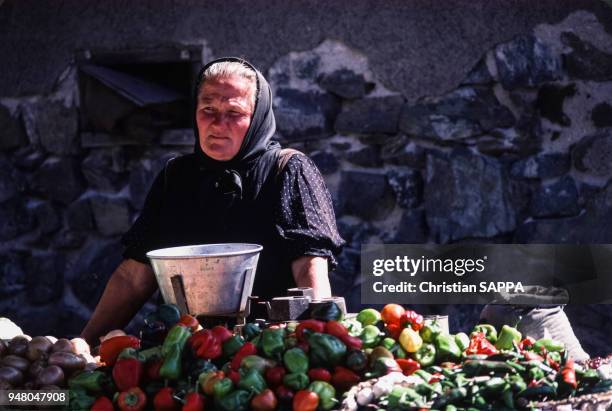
308, 365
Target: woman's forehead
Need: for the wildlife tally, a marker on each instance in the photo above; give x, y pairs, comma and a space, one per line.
226, 89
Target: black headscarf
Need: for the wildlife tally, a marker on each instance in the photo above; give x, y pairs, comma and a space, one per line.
243, 175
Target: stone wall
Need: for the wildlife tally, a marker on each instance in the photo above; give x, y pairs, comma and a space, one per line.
520, 150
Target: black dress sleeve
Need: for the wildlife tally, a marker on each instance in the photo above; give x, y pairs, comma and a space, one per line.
143, 235
305, 218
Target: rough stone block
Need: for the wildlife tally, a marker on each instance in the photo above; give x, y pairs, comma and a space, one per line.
111, 215
370, 116
374, 203
466, 195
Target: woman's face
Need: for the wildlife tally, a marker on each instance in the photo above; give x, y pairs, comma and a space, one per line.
223, 115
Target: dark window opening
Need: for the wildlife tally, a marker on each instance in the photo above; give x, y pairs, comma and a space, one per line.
137, 94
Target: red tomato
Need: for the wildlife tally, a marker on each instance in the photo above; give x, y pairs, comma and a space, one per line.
305, 400
392, 313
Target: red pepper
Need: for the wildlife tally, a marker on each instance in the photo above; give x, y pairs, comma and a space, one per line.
480, 345
526, 343
152, 369
206, 345
413, 319
264, 401
194, 402
102, 404
247, 348
132, 400
221, 332
553, 364
319, 374
274, 376
568, 373
351, 342
164, 400
110, 349
234, 376
435, 377
189, 321
394, 330
408, 365
313, 325
336, 329
343, 378
127, 373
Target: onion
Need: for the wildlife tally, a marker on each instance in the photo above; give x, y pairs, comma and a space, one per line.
16, 362
67, 361
18, 345
38, 347
63, 345
11, 375
52, 375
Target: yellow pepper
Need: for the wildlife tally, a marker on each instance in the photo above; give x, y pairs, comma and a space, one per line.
410, 340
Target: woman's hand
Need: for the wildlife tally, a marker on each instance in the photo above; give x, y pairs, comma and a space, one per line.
311, 271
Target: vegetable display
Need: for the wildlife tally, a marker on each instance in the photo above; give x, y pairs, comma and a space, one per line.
387, 360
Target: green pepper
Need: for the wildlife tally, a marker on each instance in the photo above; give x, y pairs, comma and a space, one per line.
327, 311
426, 355
356, 360
250, 331
273, 342
253, 381
78, 399
177, 337
588, 376
453, 396
430, 331
296, 381
326, 350
91, 381
222, 387
171, 367
370, 335
403, 397
388, 343
508, 398
507, 338
535, 373
150, 353
399, 352
494, 387
488, 330
368, 316
169, 314
232, 345
446, 348
255, 362
484, 367
237, 400
516, 383
326, 393
130, 352
549, 345
295, 360
462, 340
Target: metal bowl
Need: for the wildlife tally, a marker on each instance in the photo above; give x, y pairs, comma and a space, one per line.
207, 279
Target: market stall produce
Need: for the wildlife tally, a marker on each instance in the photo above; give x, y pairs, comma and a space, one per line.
393, 360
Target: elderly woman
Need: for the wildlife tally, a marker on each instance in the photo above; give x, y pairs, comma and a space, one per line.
237, 186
